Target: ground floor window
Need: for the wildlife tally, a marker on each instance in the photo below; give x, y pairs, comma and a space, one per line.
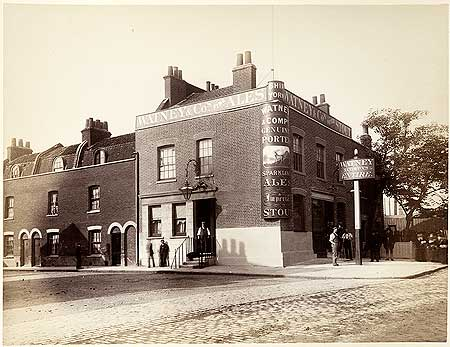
95, 241
179, 219
8, 246
154, 221
53, 243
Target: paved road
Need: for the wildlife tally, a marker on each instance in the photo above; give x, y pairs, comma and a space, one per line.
156, 308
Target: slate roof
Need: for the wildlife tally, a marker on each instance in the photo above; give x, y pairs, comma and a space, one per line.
200, 97
114, 141
27, 158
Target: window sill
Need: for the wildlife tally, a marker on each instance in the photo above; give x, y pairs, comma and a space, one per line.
10, 218
170, 180
299, 172
204, 176
178, 236
54, 256
94, 256
154, 237
8, 257
93, 211
52, 215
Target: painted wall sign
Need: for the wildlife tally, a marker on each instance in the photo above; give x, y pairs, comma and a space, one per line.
276, 155
356, 169
201, 109
314, 112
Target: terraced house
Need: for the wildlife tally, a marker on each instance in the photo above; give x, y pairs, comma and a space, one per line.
258, 166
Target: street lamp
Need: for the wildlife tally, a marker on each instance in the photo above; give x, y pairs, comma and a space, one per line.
187, 189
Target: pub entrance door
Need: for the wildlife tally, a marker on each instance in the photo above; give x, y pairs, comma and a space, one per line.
116, 247
322, 220
205, 211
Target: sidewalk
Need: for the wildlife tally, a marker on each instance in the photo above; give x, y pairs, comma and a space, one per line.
316, 269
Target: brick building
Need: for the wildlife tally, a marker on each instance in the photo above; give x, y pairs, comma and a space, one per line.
80, 196
266, 160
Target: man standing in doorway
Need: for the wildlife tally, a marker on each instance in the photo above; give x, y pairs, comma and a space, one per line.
202, 234
334, 240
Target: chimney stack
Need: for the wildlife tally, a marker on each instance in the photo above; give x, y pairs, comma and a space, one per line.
325, 107
208, 86
170, 71
95, 131
244, 75
213, 86
15, 151
365, 138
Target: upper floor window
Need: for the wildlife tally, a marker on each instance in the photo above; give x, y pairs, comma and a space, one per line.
166, 160
94, 198
15, 172
339, 157
320, 154
179, 219
154, 221
58, 164
9, 207
8, 249
204, 156
52, 203
53, 243
100, 157
297, 147
95, 240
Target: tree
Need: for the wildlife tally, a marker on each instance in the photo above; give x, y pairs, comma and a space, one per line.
414, 159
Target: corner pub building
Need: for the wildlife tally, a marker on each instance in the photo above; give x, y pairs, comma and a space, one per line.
259, 164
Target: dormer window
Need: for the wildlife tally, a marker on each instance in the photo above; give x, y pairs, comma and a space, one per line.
100, 157
58, 164
15, 172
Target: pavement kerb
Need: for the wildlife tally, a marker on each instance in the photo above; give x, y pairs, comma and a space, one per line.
426, 272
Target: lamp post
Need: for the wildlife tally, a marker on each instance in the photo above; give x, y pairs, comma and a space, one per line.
187, 189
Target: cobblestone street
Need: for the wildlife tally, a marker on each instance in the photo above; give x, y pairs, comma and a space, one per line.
258, 310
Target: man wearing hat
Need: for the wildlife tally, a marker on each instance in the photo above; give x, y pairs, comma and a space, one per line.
334, 240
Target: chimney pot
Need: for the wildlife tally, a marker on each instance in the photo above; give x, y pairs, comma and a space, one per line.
170, 71
180, 74
217, 86
13, 142
208, 86
248, 57
175, 71
20, 143
240, 59
365, 128
105, 124
27, 144
322, 98
213, 86
97, 123
91, 122
314, 100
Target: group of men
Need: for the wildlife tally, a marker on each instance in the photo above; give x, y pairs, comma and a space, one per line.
163, 254
341, 238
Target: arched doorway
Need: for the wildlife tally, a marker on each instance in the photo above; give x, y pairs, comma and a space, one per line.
116, 246
25, 250
35, 249
130, 244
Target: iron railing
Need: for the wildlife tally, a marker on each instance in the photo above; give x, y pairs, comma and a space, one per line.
180, 256
203, 249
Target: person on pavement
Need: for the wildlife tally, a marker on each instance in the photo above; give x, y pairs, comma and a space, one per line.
151, 253
348, 237
374, 246
389, 242
162, 256
334, 240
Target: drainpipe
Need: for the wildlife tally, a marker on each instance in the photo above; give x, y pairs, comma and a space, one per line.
136, 187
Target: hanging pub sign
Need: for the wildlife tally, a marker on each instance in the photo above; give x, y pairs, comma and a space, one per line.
356, 169
275, 158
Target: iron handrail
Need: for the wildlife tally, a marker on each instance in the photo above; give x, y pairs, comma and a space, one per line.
179, 254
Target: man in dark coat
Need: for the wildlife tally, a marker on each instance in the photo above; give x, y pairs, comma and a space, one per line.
374, 245
389, 242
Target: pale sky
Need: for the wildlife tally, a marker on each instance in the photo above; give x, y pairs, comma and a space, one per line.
64, 64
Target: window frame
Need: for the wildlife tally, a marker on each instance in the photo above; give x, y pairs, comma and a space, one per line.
298, 155
8, 246
52, 210
171, 171
205, 162
152, 232
95, 241
9, 207
341, 155
16, 171
58, 168
320, 164
53, 244
101, 155
93, 199
176, 219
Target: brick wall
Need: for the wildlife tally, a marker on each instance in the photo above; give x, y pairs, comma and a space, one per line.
117, 204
